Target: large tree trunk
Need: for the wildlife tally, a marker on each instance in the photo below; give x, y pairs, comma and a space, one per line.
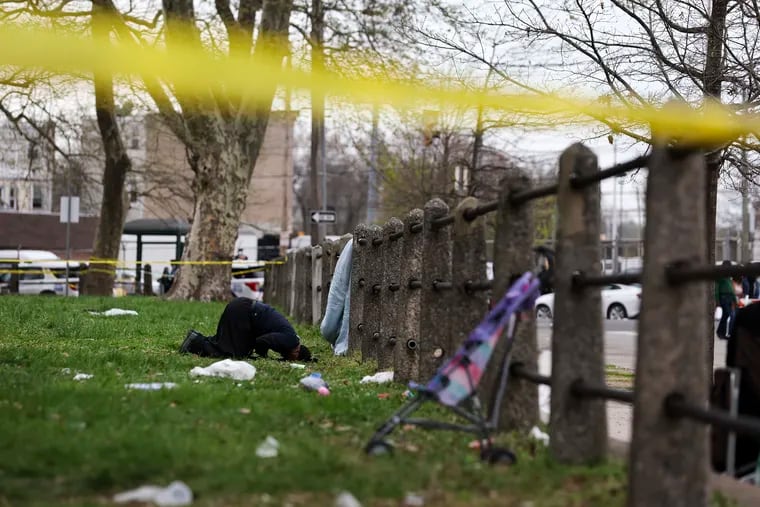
224, 136
100, 276
221, 187
713, 85
317, 155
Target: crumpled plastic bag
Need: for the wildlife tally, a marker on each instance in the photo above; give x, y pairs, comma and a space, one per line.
269, 448
227, 368
82, 376
539, 435
175, 494
378, 378
113, 312
151, 386
346, 499
544, 402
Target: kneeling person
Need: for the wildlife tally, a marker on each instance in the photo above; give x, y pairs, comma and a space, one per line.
248, 326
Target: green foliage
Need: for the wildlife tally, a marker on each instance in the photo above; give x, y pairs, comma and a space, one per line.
78, 442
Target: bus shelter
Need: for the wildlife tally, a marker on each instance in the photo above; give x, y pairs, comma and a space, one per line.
156, 227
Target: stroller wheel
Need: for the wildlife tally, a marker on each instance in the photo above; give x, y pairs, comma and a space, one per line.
378, 448
498, 456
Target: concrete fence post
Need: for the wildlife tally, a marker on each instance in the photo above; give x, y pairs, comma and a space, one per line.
578, 426
436, 269
299, 286
328, 259
306, 296
373, 295
292, 285
282, 283
468, 266
669, 457
270, 284
513, 256
317, 291
390, 296
406, 358
356, 331
148, 277
337, 250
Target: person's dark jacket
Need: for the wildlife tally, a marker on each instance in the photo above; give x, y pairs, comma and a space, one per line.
272, 331
724, 287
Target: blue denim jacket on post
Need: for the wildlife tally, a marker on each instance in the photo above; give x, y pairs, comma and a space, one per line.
334, 327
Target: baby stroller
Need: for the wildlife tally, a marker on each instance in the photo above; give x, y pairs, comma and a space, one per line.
454, 384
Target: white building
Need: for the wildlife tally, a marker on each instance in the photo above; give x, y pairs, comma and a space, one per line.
27, 166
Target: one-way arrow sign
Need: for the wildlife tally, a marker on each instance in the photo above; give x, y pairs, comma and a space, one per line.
323, 216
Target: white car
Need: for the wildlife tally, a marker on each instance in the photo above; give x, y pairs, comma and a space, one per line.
618, 302
39, 272
248, 279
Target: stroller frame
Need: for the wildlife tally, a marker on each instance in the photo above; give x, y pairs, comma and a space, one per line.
469, 408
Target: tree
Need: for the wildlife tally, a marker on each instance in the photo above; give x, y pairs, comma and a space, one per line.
345, 174
337, 29
222, 134
436, 155
631, 52
100, 277
112, 210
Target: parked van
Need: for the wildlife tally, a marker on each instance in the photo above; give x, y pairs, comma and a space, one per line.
39, 272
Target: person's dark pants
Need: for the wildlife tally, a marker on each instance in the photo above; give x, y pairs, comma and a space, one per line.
234, 333
727, 306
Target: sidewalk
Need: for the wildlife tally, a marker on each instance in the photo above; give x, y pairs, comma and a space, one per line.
620, 351
620, 422
619, 415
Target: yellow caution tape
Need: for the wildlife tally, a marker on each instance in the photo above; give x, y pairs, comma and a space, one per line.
252, 79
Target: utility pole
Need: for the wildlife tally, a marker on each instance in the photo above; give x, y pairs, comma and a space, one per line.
287, 180
746, 255
68, 226
317, 159
372, 200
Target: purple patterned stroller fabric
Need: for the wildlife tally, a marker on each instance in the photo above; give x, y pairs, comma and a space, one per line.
456, 379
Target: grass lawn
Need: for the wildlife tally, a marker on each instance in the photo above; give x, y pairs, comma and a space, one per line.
67, 442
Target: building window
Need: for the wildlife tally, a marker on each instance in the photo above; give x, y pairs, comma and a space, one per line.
135, 143
37, 197
12, 197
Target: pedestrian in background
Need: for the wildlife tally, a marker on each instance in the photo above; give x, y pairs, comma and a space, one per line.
726, 299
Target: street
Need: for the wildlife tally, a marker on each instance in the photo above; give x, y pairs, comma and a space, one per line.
620, 339
620, 343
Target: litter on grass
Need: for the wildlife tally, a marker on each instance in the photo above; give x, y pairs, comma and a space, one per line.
346, 499
151, 386
269, 448
227, 368
414, 500
113, 312
378, 378
539, 435
82, 376
174, 495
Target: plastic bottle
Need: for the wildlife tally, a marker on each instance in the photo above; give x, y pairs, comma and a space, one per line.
315, 382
